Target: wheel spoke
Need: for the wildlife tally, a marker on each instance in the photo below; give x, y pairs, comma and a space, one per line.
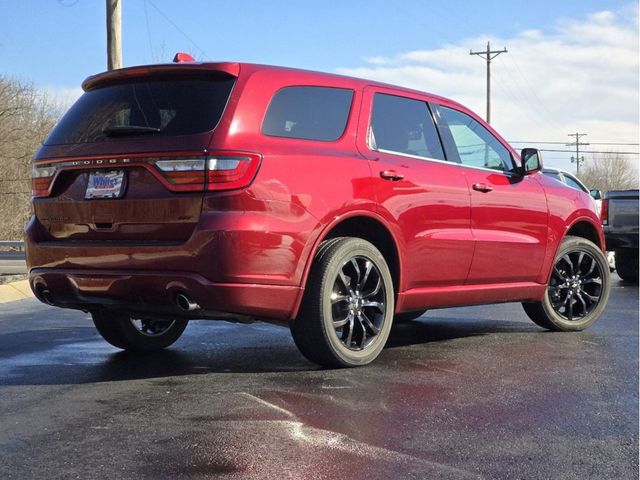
579, 264
365, 321
356, 267
335, 298
378, 305
347, 283
341, 323
567, 259
584, 304
365, 277
374, 291
561, 277
347, 340
592, 298
570, 302
591, 268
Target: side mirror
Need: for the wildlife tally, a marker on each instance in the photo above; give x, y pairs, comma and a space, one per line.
531, 160
596, 194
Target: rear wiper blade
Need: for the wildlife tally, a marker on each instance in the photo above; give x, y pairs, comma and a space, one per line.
116, 130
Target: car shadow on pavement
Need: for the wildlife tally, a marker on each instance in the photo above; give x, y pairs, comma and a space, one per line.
77, 355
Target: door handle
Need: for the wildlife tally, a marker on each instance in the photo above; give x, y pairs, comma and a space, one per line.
391, 175
481, 187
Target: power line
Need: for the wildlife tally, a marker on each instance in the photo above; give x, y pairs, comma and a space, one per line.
166, 17
590, 151
564, 143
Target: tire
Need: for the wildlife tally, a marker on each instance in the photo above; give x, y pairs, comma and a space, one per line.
347, 309
627, 264
120, 331
578, 288
407, 317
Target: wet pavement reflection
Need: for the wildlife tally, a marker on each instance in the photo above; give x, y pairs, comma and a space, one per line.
463, 393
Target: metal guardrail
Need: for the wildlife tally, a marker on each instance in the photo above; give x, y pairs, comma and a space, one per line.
12, 261
16, 245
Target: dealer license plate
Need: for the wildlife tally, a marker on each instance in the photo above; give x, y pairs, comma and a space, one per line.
105, 184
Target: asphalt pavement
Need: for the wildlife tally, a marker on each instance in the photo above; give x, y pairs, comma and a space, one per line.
463, 393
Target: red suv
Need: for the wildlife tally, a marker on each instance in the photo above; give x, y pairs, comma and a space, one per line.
329, 204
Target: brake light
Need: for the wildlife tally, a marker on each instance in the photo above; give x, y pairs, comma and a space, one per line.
217, 172
184, 173
604, 211
226, 172
41, 178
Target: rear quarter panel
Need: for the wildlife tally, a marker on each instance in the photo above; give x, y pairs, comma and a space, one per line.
302, 185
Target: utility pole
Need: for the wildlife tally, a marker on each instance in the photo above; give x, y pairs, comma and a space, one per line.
488, 56
578, 160
114, 34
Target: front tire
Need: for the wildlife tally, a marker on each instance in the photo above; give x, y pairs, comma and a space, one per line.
138, 335
347, 310
578, 288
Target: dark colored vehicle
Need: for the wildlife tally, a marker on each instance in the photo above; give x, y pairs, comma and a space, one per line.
325, 203
620, 221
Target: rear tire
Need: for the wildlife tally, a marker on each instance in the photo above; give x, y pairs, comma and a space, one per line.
347, 309
146, 335
627, 264
578, 288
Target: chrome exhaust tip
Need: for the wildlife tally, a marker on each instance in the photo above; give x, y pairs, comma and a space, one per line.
47, 297
185, 304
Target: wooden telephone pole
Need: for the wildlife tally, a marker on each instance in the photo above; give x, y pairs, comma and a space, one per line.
488, 55
114, 34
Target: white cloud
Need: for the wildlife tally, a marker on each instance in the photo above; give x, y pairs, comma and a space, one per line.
580, 75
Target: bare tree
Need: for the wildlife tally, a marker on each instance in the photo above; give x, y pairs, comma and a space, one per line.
610, 171
26, 116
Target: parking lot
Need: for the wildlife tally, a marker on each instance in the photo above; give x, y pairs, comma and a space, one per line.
475, 392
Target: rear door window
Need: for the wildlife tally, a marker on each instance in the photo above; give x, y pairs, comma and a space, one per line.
157, 107
403, 125
308, 113
475, 145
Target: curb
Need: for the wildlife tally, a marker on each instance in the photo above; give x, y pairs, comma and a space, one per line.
11, 292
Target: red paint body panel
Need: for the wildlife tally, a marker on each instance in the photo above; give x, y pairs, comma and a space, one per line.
248, 251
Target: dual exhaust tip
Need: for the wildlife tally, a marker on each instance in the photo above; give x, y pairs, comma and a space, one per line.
185, 304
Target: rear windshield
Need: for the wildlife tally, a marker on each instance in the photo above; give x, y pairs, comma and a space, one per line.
150, 107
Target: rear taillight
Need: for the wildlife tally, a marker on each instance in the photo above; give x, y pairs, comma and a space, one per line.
41, 177
226, 172
183, 173
212, 173
604, 211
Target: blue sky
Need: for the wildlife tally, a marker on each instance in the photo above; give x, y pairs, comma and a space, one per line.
57, 45
572, 65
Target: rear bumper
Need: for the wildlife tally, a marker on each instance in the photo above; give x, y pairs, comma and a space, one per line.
620, 240
155, 293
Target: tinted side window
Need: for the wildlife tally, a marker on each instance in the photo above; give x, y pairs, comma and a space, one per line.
404, 125
309, 113
476, 146
572, 183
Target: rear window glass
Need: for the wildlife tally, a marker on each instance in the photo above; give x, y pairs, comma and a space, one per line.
158, 108
309, 113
